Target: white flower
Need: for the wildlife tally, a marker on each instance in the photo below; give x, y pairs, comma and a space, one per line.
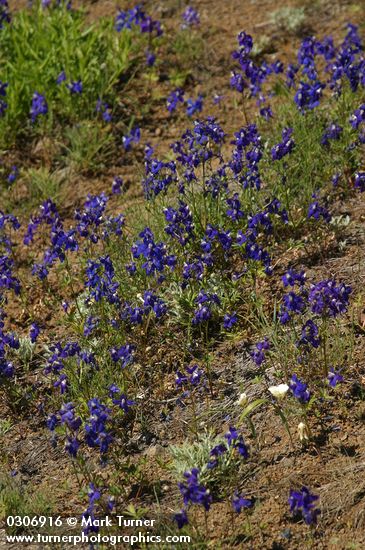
279, 391
303, 431
242, 400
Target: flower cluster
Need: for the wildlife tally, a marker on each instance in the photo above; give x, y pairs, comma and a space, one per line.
88, 517
239, 503
333, 132
194, 106
235, 440
137, 17
334, 377
7, 340
193, 492
299, 389
61, 355
152, 304
61, 240
251, 75
259, 354
246, 157
91, 217
120, 399
359, 181
159, 176
66, 417
3, 87
4, 13
308, 95
303, 502
75, 87
190, 17
317, 211
8, 222
358, 117
100, 280
7, 278
309, 336
39, 106
47, 214
285, 147
134, 136
155, 254
229, 320
124, 355
96, 430
193, 377
104, 109
180, 223
34, 332
206, 302
325, 299
198, 146
174, 98
328, 299
13, 173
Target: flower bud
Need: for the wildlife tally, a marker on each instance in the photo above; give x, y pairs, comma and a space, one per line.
303, 432
242, 400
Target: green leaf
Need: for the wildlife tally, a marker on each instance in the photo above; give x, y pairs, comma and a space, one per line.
251, 407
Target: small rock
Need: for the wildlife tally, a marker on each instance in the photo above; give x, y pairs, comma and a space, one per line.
155, 450
286, 534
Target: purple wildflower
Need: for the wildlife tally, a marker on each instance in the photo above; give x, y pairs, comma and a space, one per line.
303, 502
75, 87
181, 519
229, 320
259, 354
328, 299
192, 491
34, 332
39, 106
239, 503
190, 17
334, 377
299, 389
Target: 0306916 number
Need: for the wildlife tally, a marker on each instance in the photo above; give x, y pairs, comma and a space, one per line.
35, 521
